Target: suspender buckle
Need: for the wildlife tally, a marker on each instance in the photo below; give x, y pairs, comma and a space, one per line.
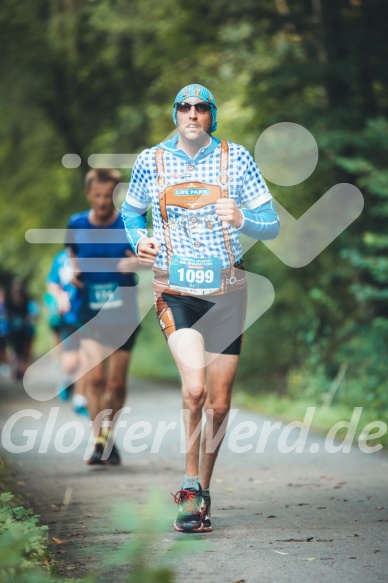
223, 179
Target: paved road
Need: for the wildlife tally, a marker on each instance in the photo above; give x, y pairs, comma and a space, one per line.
277, 516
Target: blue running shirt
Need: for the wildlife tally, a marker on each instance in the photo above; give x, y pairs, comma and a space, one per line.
98, 251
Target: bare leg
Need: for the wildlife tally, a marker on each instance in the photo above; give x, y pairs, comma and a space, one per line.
116, 385
181, 343
93, 352
220, 374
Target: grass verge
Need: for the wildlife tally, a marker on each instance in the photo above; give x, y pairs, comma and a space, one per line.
325, 419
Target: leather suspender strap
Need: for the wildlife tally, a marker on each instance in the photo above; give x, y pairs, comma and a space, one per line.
162, 183
224, 182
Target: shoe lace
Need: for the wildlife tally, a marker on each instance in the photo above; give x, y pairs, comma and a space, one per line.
188, 498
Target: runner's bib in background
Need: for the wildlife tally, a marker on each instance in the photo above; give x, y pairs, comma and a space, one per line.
104, 296
197, 276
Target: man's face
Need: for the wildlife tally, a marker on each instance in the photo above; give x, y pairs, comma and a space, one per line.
100, 197
194, 126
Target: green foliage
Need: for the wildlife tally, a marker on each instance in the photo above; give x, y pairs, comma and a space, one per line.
22, 540
24, 557
88, 77
143, 527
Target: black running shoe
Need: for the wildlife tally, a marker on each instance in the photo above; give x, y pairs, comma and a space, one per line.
207, 525
96, 457
114, 458
190, 513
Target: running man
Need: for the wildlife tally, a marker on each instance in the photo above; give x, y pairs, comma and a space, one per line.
197, 185
63, 294
104, 266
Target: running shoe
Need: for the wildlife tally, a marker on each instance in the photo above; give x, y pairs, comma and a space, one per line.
190, 513
64, 394
114, 458
96, 457
79, 405
81, 410
207, 525
64, 390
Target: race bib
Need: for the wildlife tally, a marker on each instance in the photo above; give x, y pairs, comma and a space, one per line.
104, 296
195, 275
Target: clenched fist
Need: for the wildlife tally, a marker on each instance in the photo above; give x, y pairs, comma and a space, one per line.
228, 211
147, 250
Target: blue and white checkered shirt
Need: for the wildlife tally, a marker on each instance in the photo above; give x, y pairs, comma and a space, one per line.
194, 232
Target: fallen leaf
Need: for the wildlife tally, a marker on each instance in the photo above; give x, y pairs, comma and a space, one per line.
61, 552
324, 540
280, 553
57, 541
271, 516
310, 559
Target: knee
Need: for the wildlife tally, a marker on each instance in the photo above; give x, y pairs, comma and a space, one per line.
218, 411
195, 396
70, 365
97, 380
116, 385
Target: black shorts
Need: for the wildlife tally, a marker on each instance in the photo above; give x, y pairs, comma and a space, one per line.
223, 327
70, 341
115, 336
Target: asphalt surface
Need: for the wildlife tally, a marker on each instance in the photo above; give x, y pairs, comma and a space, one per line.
300, 517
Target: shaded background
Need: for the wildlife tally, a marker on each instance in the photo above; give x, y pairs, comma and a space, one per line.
88, 76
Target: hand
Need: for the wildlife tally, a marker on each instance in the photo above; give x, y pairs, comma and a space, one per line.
147, 250
228, 212
128, 264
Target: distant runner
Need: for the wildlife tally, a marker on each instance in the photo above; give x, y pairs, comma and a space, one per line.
104, 268
22, 313
62, 307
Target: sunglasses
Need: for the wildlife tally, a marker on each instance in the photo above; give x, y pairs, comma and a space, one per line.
201, 107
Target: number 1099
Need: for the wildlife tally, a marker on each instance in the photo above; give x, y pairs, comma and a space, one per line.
196, 275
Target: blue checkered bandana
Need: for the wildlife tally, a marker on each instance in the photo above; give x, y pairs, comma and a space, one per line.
195, 90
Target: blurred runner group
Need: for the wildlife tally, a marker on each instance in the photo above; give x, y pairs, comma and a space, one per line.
18, 316
90, 305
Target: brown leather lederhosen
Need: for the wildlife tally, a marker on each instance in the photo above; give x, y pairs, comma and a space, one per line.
232, 278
